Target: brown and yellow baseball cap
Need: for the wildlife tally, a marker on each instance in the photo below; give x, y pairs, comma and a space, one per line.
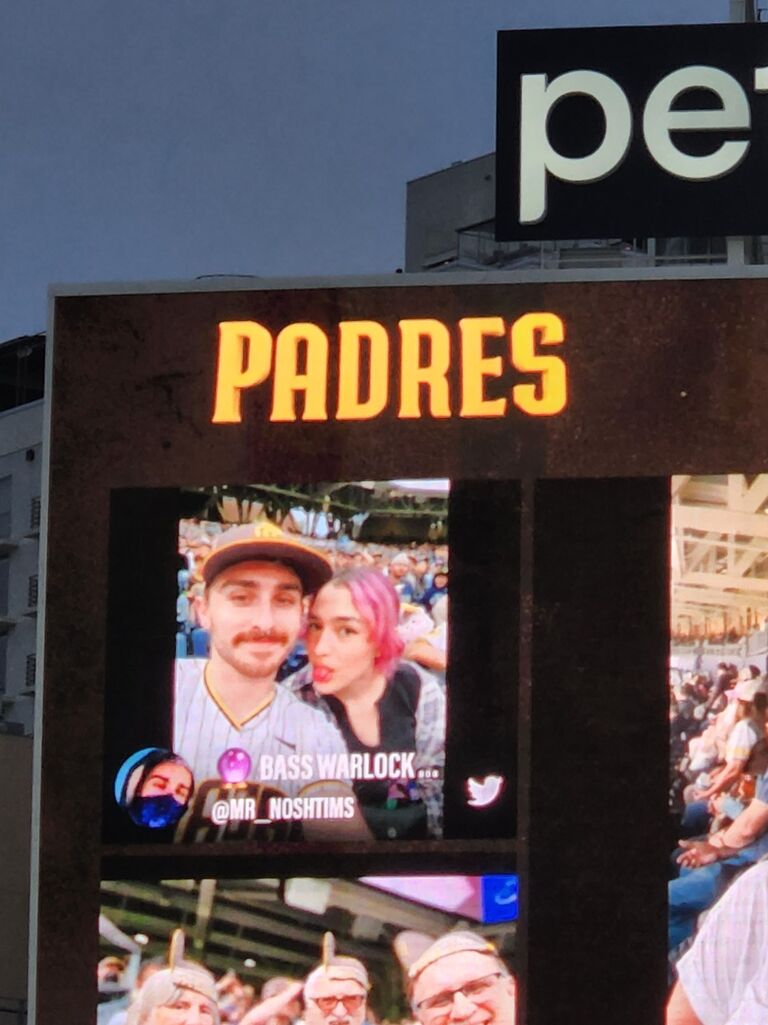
264, 540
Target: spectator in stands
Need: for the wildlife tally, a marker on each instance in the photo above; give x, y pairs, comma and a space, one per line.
422, 577
725, 677
400, 574
709, 748
723, 978
437, 589
746, 738
707, 866
430, 649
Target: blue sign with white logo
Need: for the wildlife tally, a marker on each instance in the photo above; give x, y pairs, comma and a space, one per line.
500, 898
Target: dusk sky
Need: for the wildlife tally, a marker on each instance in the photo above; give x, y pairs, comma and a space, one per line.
178, 138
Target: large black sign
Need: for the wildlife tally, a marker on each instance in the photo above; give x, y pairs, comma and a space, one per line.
556, 411
632, 132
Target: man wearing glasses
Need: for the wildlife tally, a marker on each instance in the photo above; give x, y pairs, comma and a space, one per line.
336, 992
461, 978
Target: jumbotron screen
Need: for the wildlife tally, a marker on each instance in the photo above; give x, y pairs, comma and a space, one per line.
375, 581
302, 689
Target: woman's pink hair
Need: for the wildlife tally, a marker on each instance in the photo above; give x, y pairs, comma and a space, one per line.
376, 600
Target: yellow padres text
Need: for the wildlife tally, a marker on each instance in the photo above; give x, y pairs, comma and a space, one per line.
298, 360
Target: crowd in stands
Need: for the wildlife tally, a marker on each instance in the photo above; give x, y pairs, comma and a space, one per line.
702, 711
720, 790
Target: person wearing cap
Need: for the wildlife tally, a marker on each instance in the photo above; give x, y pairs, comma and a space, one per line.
184, 993
336, 992
461, 978
256, 579
401, 577
745, 744
708, 866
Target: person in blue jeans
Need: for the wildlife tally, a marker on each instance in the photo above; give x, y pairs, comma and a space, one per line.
708, 866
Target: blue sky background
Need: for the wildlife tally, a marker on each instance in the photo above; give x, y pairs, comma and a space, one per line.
189, 137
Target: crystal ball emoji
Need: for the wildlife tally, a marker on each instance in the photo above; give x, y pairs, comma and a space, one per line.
234, 765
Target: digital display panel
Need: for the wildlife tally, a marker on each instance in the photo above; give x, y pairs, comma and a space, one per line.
320, 950
297, 683
554, 414
311, 651
664, 113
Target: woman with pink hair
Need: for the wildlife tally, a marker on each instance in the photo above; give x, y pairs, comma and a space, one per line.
381, 704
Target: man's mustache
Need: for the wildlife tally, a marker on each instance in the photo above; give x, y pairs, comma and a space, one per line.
256, 635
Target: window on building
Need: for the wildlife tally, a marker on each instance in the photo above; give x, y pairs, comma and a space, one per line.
34, 513
3, 661
5, 573
32, 590
22, 371
691, 250
29, 675
5, 506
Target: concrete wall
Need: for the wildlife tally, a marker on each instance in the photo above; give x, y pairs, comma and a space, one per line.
15, 815
439, 204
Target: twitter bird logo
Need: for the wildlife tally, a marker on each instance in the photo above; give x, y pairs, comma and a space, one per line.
482, 792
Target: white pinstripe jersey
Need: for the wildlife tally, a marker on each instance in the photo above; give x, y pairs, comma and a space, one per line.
202, 731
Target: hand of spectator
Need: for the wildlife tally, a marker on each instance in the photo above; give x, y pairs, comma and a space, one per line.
227, 981
697, 853
262, 1012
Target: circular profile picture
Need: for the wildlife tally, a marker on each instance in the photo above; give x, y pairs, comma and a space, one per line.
155, 787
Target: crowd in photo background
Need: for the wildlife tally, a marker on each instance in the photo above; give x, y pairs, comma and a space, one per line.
418, 572
459, 970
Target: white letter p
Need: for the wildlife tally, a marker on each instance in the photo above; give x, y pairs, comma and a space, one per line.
537, 157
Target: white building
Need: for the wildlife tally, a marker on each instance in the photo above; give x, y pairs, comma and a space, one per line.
449, 226
21, 431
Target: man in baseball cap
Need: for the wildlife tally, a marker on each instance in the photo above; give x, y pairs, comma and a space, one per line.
264, 542
461, 978
256, 579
